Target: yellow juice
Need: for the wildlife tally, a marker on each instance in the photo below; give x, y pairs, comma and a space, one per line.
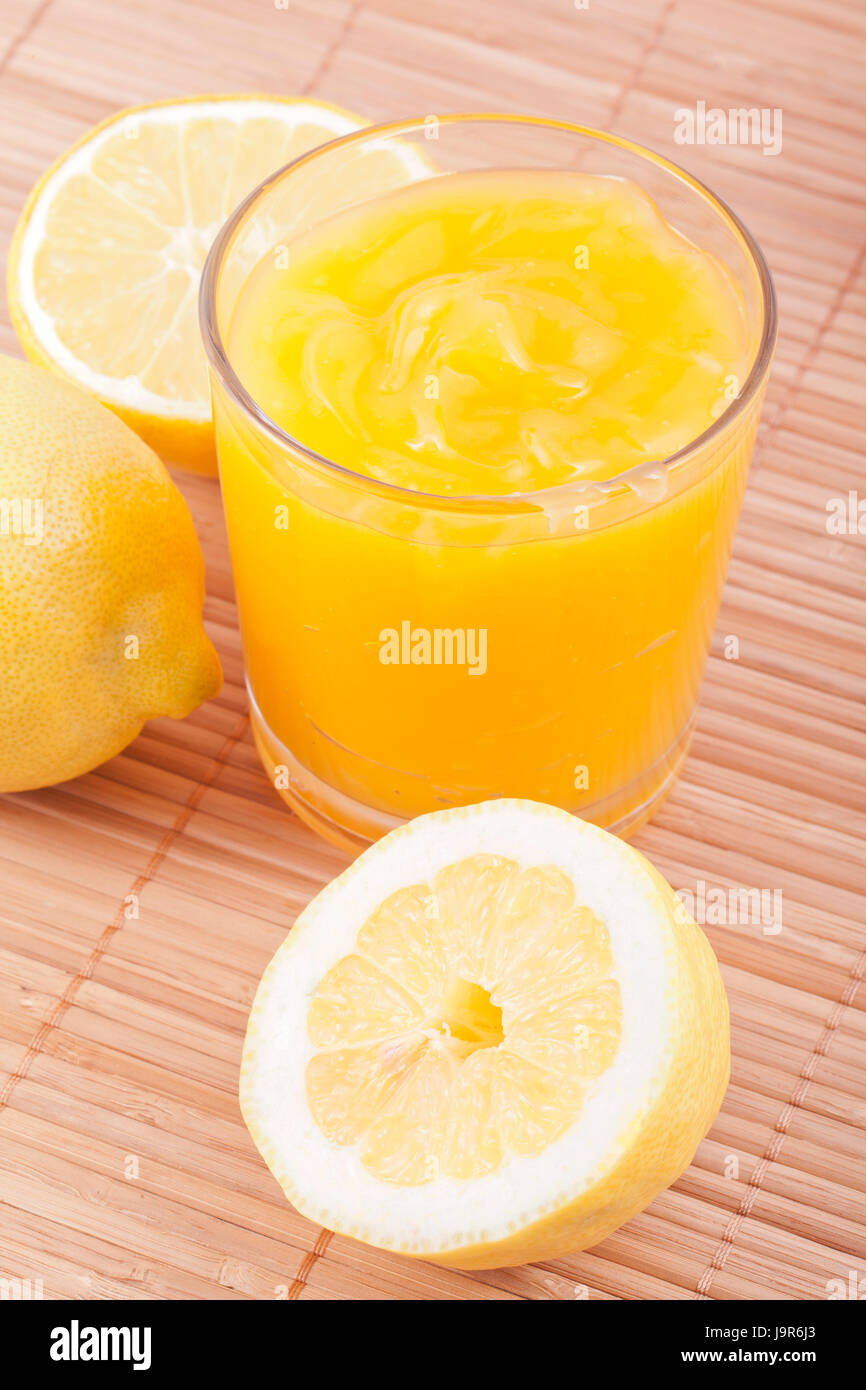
492, 586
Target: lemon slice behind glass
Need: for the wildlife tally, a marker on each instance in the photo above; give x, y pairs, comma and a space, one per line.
107, 256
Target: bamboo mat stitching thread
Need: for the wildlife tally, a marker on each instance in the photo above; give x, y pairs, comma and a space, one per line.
649, 48
22, 37
299, 1283
333, 48
37, 1042
323, 1239
812, 351
773, 1149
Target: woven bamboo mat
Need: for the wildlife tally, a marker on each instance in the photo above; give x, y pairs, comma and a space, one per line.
125, 1169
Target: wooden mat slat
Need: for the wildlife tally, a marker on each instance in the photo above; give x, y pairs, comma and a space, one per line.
120, 1036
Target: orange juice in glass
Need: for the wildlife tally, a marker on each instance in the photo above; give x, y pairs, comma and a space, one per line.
485, 392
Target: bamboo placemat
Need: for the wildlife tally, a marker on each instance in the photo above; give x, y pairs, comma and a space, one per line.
139, 904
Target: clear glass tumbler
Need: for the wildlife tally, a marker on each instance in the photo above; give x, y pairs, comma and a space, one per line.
594, 602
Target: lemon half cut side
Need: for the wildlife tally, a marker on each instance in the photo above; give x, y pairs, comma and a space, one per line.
106, 259
492, 1040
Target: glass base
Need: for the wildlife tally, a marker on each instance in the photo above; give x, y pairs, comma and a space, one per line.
352, 826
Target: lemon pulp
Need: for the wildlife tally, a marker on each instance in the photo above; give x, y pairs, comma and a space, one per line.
469, 1024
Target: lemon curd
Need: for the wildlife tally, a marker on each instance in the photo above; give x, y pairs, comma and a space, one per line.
493, 333
497, 362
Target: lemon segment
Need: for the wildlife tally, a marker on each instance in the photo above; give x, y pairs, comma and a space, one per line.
493, 1039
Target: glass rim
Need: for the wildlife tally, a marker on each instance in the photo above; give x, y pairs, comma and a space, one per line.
218, 358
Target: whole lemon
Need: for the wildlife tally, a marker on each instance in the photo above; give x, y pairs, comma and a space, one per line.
101, 584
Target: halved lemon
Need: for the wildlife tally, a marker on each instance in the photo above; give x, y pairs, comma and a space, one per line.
106, 259
493, 1039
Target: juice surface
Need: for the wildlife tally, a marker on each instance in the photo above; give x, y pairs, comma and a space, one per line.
492, 333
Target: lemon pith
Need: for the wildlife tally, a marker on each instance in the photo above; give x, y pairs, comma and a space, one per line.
505, 1076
